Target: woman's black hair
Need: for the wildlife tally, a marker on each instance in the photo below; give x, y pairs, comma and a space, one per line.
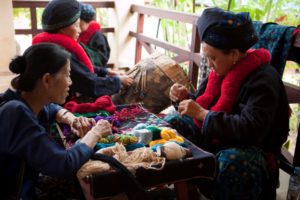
36, 61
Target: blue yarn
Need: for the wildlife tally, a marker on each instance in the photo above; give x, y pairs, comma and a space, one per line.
140, 126
154, 147
144, 135
103, 145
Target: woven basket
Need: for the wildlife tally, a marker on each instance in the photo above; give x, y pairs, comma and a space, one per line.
153, 78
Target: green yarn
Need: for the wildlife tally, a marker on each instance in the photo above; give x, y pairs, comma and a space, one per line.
102, 113
155, 131
131, 147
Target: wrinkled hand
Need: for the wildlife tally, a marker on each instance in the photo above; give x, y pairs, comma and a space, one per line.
81, 125
192, 109
178, 92
102, 128
126, 80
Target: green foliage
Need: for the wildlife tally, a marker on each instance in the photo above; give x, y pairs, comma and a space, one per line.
175, 32
281, 11
21, 14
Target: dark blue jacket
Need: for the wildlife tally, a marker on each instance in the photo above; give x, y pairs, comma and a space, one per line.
23, 138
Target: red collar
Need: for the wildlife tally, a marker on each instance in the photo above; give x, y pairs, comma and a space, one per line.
86, 35
221, 92
66, 42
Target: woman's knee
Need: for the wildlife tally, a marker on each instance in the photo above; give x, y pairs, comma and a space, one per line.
240, 172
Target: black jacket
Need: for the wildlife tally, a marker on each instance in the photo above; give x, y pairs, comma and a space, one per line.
260, 116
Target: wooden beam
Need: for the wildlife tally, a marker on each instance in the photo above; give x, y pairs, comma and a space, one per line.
293, 92
166, 14
180, 51
43, 3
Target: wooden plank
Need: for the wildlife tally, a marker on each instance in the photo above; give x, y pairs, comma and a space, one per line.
180, 51
293, 92
166, 14
43, 3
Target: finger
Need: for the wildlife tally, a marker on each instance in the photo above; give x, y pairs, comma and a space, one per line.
83, 122
92, 122
183, 112
73, 130
172, 97
81, 132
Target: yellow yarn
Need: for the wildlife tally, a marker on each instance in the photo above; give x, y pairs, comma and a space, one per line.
159, 141
177, 139
167, 134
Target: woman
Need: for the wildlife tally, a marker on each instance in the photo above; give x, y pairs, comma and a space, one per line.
43, 79
240, 112
91, 38
60, 21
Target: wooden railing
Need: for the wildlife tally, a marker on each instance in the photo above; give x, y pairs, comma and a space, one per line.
191, 55
33, 5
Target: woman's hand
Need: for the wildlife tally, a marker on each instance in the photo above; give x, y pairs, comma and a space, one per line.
192, 109
126, 80
178, 92
102, 129
111, 72
81, 125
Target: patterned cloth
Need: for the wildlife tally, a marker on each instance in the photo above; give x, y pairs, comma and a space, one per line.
58, 188
277, 39
241, 173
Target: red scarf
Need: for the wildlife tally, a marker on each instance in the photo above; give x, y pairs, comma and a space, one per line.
224, 90
66, 42
86, 35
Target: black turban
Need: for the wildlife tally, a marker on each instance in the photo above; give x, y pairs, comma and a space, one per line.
59, 14
226, 30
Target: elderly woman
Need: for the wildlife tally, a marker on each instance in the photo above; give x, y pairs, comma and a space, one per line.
240, 112
26, 111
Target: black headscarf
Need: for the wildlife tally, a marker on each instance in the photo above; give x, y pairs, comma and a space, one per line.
226, 30
59, 14
88, 13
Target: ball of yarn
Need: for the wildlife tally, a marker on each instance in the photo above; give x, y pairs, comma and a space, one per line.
155, 130
144, 135
159, 141
167, 134
173, 151
140, 126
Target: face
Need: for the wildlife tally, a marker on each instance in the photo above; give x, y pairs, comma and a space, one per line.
217, 60
72, 30
83, 25
59, 84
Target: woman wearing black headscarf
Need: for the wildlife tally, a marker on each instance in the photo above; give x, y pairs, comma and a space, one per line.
240, 112
60, 21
